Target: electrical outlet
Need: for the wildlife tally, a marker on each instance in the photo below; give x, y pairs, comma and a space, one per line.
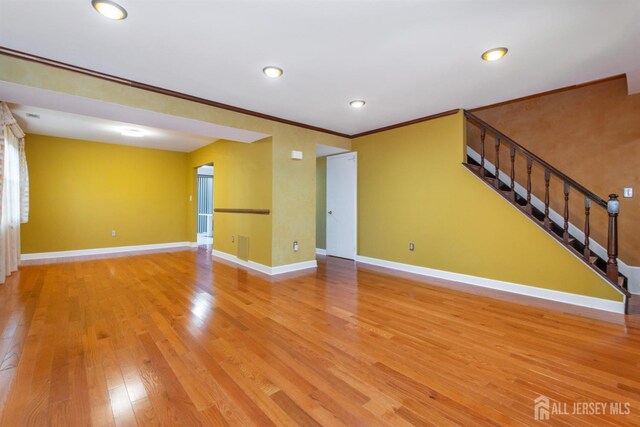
411, 246
628, 192
113, 233
233, 239
295, 246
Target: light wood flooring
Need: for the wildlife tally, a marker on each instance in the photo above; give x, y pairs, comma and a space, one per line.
175, 338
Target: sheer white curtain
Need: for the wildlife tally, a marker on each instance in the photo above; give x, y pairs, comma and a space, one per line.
14, 192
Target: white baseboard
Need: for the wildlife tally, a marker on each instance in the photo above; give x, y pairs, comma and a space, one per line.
272, 271
548, 294
321, 251
103, 251
248, 264
288, 268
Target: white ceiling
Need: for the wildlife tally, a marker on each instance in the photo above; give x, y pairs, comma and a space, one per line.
327, 150
67, 125
75, 117
407, 59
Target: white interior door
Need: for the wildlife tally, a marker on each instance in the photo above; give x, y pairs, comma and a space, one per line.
342, 205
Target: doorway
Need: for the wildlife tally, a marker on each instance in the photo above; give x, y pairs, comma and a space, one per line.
342, 205
204, 220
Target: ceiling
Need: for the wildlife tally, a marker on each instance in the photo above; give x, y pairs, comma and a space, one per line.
327, 150
407, 59
69, 116
67, 125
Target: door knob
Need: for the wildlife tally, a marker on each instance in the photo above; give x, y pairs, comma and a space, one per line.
330, 212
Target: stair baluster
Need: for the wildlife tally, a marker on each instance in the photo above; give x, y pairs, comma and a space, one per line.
497, 162
613, 208
529, 207
482, 135
512, 153
587, 229
547, 177
565, 227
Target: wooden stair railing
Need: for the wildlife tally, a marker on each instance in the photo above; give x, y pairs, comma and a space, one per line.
612, 206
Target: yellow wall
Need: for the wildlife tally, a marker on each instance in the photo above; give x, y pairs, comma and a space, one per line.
294, 194
413, 188
81, 190
293, 181
321, 203
242, 180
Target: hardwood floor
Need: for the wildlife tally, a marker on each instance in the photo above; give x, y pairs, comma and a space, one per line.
176, 339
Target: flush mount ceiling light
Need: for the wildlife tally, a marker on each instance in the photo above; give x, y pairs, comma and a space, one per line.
495, 53
358, 103
109, 9
273, 72
135, 133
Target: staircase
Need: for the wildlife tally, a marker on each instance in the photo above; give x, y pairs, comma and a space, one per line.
538, 209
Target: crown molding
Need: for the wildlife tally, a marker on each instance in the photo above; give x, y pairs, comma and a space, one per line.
138, 85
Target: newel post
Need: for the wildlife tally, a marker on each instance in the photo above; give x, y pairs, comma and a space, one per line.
613, 208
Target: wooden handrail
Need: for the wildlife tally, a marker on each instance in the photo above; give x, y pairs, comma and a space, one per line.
244, 211
484, 125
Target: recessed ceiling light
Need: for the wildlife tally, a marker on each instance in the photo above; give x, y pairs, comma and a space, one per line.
495, 53
132, 132
109, 9
272, 72
358, 103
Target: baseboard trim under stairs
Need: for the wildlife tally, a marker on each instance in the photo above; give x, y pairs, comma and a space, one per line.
515, 288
